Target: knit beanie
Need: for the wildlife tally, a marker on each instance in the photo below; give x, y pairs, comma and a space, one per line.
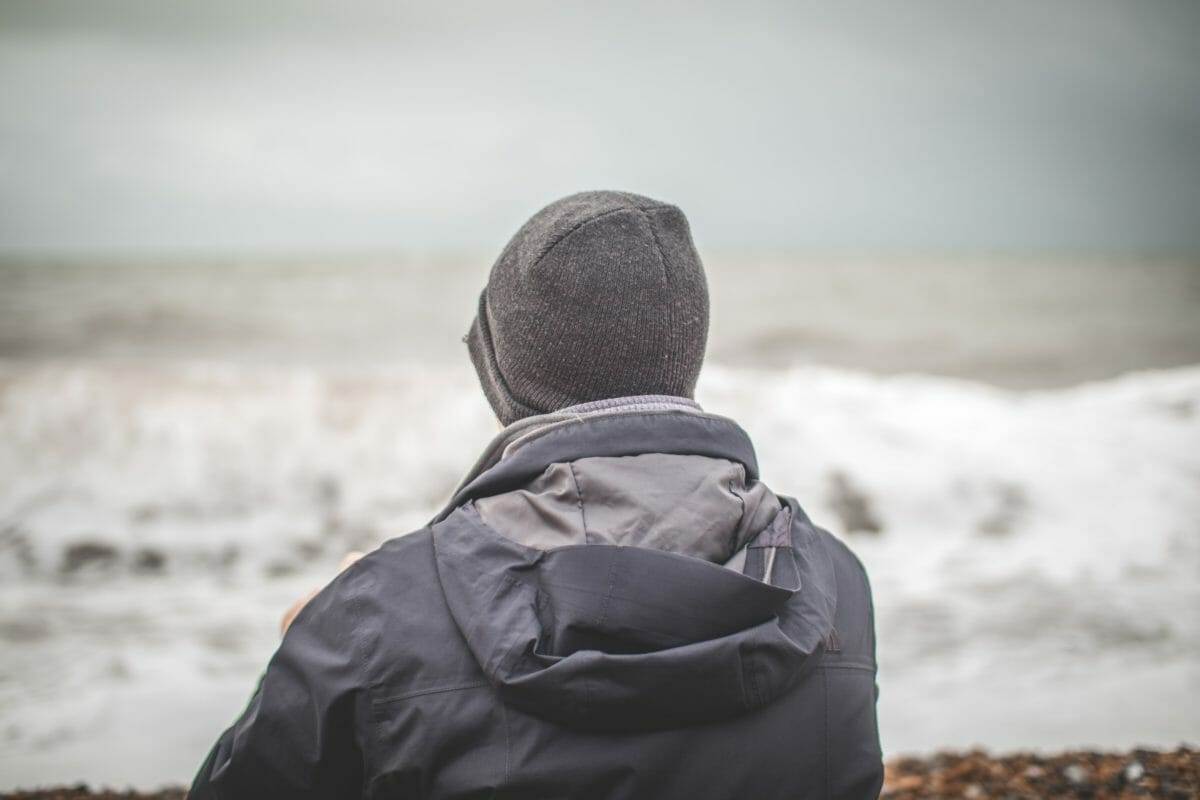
598, 295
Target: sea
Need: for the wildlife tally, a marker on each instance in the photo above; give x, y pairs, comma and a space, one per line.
1011, 445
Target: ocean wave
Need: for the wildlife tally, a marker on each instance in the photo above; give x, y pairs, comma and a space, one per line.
177, 467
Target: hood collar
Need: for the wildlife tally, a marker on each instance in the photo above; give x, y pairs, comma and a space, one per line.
622, 427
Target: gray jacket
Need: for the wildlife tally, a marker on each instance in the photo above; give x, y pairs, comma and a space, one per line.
612, 605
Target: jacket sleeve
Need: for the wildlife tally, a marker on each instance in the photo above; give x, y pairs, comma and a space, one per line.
297, 737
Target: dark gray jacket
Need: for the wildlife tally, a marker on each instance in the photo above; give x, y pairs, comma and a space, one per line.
613, 605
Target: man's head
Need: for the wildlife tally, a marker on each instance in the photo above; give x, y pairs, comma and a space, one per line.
598, 295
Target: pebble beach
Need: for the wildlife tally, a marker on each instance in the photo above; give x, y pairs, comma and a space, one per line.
975, 774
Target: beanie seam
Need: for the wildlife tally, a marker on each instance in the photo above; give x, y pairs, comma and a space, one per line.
567, 234
662, 256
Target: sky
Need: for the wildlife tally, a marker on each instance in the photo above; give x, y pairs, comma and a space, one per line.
1047, 126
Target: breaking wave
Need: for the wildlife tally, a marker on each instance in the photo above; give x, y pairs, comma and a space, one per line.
165, 468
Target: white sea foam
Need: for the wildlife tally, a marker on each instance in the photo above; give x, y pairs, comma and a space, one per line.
1035, 554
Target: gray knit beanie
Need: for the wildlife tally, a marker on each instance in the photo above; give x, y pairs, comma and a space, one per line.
598, 295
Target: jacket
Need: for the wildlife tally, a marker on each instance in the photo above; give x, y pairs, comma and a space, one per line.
611, 605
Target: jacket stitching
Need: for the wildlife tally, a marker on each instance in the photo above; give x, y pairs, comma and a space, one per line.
612, 581
579, 497
422, 692
741, 665
741, 503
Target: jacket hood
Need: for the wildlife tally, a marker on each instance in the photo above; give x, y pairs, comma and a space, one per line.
625, 569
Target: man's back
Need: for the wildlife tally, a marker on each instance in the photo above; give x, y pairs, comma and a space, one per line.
611, 605
617, 607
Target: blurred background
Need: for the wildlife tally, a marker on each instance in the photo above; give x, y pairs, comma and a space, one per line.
954, 255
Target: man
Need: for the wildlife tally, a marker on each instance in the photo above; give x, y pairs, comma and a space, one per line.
612, 604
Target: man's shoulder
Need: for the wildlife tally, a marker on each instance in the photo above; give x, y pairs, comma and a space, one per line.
410, 556
400, 613
397, 583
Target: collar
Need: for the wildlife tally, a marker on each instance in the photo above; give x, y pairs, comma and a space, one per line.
622, 427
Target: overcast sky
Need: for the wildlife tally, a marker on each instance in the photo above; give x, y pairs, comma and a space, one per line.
227, 125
